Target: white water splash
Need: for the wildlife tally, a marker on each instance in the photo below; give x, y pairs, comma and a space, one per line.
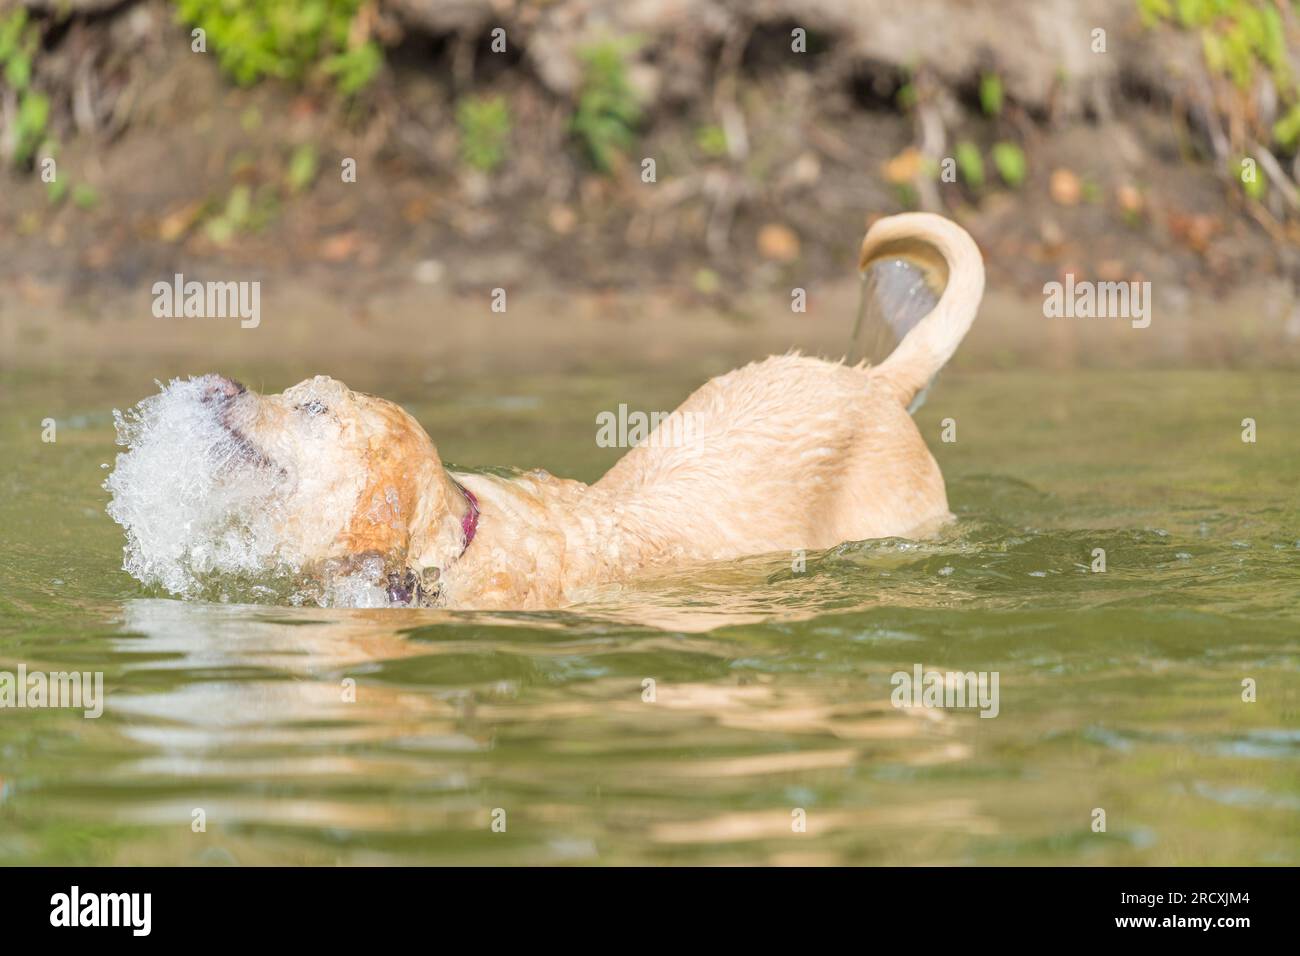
192, 505
356, 589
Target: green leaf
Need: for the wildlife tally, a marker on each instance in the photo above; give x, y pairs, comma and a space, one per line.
302, 167
254, 39
1152, 11
239, 205
991, 94
1252, 183
33, 114
1009, 159
712, 141
970, 164
608, 112
18, 72
484, 124
56, 190
85, 196
1286, 131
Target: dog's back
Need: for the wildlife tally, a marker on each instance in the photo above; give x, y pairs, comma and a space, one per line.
797, 452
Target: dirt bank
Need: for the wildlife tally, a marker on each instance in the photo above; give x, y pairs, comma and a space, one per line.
768, 164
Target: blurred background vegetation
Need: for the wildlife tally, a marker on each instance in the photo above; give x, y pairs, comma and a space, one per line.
1117, 139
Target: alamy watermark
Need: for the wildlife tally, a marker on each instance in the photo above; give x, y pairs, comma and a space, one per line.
75, 908
624, 429
946, 689
208, 300
1098, 300
76, 690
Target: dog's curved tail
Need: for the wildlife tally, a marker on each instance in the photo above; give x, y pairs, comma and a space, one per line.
949, 260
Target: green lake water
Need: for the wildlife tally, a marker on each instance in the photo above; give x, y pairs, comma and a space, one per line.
1120, 690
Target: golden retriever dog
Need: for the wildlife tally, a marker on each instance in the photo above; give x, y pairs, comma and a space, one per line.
788, 453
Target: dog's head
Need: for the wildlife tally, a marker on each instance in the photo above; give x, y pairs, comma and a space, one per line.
361, 481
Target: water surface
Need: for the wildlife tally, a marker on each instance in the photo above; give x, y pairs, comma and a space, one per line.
1119, 690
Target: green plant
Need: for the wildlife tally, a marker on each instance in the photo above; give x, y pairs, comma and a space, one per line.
303, 165
706, 281
18, 45
1240, 40
253, 39
1286, 130
1236, 35
244, 212
712, 141
33, 115
484, 123
608, 112
970, 164
17, 48
991, 94
355, 68
907, 195
1252, 183
1009, 160
1153, 11
56, 190
85, 196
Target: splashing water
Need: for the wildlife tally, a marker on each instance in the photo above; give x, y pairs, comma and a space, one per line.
191, 504
894, 297
203, 518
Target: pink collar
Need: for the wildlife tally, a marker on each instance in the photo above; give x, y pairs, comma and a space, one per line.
469, 523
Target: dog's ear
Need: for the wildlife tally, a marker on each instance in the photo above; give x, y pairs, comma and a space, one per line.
410, 511
384, 513
438, 525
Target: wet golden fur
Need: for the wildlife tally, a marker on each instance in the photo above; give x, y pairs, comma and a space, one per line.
788, 453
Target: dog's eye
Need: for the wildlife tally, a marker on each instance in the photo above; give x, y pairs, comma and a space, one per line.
313, 407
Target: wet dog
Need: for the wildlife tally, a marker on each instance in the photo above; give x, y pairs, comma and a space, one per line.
788, 453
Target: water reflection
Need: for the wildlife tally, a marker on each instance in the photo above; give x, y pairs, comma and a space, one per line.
255, 698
